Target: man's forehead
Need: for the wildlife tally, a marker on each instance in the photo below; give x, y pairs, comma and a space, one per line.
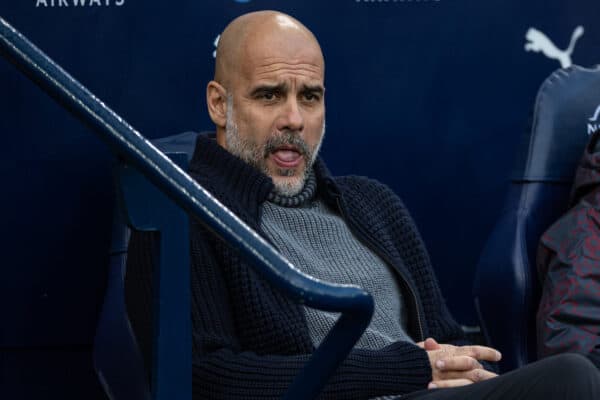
277, 62
305, 67
283, 75
289, 47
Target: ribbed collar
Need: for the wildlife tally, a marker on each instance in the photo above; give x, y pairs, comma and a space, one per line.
306, 194
240, 186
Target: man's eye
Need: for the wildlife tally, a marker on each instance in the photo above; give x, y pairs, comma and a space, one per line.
311, 97
268, 95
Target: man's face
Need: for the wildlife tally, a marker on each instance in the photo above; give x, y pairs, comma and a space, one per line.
276, 112
290, 155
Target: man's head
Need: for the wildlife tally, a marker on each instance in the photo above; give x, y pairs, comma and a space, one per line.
267, 96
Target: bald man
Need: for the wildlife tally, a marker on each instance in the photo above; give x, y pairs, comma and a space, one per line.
261, 58
267, 103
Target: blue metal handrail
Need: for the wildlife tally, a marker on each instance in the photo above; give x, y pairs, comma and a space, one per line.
354, 303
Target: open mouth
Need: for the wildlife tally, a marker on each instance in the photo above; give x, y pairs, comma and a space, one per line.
287, 156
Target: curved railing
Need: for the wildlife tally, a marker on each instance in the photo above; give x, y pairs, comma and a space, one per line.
355, 304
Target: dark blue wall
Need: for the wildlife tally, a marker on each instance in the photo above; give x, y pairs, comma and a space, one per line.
430, 97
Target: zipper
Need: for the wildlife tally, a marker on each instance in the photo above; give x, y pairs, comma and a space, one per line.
375, 248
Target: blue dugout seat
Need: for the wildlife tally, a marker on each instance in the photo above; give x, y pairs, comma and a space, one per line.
117, 357
506, 287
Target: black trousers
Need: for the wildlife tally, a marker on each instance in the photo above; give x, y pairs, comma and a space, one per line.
565, 376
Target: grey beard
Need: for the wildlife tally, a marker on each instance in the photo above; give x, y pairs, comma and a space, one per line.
256, 155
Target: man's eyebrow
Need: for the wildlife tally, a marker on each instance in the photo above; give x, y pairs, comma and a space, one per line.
278, 87
313, 89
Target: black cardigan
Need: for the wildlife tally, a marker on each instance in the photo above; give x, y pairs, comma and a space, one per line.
249, 341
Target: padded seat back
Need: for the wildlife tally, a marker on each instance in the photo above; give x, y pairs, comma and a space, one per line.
117, 357
506, 288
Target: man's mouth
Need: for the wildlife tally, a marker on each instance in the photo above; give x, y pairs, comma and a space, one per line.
287, 156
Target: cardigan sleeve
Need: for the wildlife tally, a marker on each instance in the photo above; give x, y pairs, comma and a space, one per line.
396, 369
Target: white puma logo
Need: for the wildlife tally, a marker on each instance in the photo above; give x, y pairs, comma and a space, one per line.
537, 41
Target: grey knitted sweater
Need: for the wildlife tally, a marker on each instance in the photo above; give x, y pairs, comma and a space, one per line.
318, 242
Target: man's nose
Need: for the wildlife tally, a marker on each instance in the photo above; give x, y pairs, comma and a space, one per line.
291, 118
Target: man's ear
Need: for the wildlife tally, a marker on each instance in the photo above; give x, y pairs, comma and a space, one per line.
216, 100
